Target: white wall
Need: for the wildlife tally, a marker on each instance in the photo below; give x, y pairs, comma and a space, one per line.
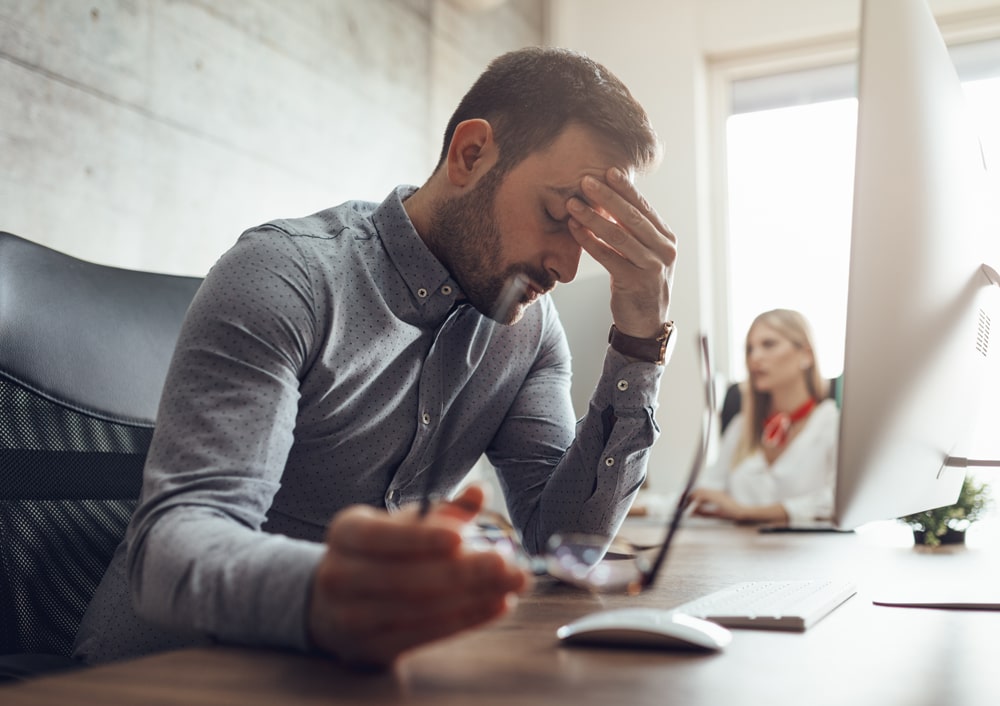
663, 49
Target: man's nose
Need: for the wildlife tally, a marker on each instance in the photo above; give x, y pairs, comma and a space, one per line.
564, 259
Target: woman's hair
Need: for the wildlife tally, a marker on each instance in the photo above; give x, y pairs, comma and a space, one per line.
756, 406
529, 96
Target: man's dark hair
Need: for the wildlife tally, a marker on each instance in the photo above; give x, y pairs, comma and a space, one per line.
529, 96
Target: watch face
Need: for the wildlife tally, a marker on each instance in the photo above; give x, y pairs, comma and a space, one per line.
669, 345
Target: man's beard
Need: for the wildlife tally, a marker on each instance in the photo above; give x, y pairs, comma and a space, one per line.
465, 237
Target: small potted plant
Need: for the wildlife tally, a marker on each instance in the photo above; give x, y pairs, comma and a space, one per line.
947, 525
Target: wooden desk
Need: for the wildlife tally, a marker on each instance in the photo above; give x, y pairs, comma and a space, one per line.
860, 654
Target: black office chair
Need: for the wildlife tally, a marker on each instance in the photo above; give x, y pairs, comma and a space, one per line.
733, 401
84, 350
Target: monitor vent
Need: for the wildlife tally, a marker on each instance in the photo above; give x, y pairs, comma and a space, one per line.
983, 334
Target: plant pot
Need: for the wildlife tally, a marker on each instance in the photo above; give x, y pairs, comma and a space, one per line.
950, 536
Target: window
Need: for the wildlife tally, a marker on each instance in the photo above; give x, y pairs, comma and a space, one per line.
790, 173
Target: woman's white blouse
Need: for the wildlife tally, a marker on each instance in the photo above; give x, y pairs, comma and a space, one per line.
801, 478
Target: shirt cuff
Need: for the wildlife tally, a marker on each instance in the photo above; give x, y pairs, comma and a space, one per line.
627, 384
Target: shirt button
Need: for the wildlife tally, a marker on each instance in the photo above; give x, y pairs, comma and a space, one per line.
425, 418
422, 293
623, 385
446, 290
609, 461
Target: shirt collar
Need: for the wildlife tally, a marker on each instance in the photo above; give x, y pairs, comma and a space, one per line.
433, 289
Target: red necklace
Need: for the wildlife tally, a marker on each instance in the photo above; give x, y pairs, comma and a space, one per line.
777, 426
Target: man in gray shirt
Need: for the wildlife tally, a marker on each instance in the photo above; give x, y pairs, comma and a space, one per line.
330, 364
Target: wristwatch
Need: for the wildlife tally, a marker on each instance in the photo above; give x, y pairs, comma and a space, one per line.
655, 350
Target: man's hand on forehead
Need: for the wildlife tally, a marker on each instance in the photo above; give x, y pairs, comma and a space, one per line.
616, 225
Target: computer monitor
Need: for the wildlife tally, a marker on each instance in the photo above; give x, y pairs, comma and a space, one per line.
921, 303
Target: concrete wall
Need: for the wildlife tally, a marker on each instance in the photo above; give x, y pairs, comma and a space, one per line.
149, 133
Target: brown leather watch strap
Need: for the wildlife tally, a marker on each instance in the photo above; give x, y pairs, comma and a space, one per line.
655, 350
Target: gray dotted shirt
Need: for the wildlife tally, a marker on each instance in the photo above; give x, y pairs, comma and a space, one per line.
328, 361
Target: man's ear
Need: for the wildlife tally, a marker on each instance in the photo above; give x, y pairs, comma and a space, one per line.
472, 152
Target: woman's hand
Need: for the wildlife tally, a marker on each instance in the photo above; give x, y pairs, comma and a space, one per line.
717, 503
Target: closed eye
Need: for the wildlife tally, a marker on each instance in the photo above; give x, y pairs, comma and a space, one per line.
554, 224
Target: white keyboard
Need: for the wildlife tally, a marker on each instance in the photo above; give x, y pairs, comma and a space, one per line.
772, 605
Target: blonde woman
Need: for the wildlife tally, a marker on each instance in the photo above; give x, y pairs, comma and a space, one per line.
778, 455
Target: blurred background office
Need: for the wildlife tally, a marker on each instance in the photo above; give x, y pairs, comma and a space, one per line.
149, 133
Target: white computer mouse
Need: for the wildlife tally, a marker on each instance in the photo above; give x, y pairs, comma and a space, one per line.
647, 628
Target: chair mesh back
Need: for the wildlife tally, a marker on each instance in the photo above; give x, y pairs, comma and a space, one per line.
68, 483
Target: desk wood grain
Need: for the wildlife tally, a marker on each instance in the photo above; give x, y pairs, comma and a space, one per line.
860, 654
